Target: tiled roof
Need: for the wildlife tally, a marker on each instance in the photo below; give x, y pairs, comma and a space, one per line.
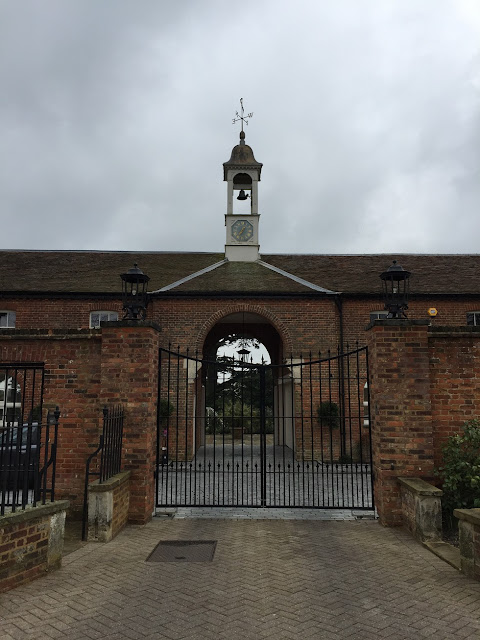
93, 271
430, 273
99, 271
239, 277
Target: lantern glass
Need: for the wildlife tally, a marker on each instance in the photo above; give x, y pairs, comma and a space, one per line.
395, 282
134, 293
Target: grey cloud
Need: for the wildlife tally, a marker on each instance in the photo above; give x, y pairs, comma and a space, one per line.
116, 117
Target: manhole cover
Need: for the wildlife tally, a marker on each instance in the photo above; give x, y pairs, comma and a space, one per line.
183, 551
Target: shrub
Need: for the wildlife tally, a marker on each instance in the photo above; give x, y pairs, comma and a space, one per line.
328, 414
165, 409
460, 471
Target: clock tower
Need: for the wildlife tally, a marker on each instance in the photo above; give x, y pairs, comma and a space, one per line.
242, 175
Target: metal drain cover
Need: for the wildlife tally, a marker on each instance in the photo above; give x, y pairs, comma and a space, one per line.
183, 551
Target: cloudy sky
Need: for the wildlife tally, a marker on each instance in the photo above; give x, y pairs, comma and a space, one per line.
116, 117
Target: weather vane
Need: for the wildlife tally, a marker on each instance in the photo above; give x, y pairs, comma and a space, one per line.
240, 116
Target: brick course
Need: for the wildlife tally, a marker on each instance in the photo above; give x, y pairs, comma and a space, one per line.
30, 544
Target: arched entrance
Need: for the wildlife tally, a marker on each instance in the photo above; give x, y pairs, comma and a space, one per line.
237, 348
244, 425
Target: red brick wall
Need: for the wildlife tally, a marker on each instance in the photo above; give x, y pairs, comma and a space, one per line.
303, 323
23, 552
129, 374
31, 543
455, 381
57, 313
424, 384
451, 311
72, 381
402, 438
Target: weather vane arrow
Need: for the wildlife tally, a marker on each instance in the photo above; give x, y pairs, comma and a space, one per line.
241, 116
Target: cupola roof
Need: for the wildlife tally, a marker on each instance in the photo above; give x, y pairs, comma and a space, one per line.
242, 158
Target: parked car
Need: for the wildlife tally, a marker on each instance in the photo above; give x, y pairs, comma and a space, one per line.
19, 456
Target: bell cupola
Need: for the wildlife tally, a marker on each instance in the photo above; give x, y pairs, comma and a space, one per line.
242, 175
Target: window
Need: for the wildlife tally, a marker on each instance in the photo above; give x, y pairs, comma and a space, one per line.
378, 315
473, 318
102, 316
7, 319
10, 402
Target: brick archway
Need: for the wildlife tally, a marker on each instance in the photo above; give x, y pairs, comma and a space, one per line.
230, 309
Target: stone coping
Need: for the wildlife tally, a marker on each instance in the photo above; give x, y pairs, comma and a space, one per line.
397, 322
469, 515
46, 334
453, 332
133, 324
31, 512
420, 487
111, 483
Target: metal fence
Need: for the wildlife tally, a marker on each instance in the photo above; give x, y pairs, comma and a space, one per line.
28, 438
238, 434
110, 450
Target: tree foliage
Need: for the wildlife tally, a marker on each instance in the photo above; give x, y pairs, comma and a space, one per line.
233, 395
329, 414
460, 471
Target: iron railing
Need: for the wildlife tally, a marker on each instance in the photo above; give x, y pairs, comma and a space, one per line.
28, 441
110, 449
28, 454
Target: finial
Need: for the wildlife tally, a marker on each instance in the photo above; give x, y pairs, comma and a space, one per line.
240, 117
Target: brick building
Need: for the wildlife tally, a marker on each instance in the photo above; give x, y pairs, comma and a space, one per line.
61, 308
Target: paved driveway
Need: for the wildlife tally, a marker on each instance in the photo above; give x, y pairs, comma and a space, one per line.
269, 579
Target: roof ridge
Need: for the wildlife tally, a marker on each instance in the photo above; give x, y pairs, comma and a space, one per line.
301, 281
168, 287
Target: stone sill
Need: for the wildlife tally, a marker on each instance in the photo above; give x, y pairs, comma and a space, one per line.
469, 515
420, 487
110, 484
31, 512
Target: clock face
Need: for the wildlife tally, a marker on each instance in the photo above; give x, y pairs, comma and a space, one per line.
242, 230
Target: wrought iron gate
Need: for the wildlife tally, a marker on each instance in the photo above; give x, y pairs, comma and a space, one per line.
234, 433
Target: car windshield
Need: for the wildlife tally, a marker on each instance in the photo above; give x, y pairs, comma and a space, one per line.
9, 436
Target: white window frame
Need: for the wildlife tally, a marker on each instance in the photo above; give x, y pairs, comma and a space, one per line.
112, 316
11, 318
476, 318
378, 315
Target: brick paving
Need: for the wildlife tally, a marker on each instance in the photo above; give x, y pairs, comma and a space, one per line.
269, 579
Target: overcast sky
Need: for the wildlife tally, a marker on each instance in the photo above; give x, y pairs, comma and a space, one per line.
116, 117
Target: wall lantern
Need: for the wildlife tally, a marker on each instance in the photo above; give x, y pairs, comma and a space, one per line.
134, 293
395, 290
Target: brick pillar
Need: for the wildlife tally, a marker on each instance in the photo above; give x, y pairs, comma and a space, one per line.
402, 438
129, 375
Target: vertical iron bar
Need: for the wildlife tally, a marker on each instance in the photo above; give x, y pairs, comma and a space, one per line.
262, 437
187, 383
370, 419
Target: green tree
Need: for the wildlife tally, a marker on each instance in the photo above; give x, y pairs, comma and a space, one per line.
233, 392
460, 470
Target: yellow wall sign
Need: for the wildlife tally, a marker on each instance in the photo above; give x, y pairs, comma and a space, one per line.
432, 312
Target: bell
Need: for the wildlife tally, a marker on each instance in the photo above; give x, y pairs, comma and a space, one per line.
242, 195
